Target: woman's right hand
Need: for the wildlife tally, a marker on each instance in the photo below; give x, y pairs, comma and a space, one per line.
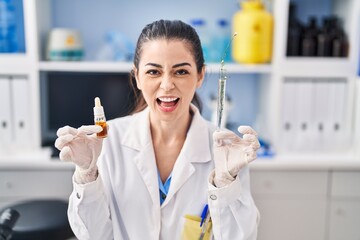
82, 147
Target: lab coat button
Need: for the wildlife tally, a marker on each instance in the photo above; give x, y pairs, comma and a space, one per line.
78, 195
213, 197
163, 196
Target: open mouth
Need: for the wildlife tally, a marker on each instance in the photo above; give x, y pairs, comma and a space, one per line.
167, 102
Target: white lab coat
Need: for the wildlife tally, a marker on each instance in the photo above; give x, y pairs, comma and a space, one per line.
124, 201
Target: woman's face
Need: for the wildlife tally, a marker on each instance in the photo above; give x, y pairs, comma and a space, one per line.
168, 77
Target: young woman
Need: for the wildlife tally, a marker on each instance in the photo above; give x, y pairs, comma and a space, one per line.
158, 167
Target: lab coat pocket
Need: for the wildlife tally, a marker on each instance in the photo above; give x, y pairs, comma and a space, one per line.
192, 229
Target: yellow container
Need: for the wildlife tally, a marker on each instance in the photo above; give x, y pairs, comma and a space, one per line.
254, 27
192, 229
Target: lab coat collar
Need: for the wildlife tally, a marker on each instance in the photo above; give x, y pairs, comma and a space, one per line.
196, 149
196, 146
138, 134
138, 137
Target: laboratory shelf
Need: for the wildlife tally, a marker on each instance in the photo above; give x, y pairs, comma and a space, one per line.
12, 62
20, 68
12, 56
317, 67
308, 162
241, 68
30, 164
297, 162
85, 66
88, 66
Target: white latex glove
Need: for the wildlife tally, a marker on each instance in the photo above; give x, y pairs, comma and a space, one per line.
82, 147
232, 152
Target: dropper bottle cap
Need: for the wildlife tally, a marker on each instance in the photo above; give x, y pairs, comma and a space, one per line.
98, 109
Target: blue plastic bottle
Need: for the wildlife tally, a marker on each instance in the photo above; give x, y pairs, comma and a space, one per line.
8, 37
201, 29
220, 42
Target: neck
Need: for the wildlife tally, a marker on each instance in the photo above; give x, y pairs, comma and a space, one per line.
169, 132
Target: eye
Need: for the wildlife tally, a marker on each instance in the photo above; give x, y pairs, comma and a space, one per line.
182, 72
152, 72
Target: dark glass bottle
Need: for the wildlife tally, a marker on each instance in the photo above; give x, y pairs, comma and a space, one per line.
309, 41
339, 45
294, 33
324, 40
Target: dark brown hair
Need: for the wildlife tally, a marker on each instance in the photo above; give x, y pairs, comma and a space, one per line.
170, 30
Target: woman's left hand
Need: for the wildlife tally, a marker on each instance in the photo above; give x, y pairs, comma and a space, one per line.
232, 152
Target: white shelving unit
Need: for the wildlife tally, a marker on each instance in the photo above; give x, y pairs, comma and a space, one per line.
38, 22
318, 67
314, 68
121, 67
118, 67
273, 185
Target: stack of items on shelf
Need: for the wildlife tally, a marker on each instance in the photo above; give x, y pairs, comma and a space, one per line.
15, 126
11, 24
116, 47
311, 40
314, 114
214, 42
253, 42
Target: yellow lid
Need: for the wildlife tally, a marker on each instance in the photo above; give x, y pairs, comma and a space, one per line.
252, 4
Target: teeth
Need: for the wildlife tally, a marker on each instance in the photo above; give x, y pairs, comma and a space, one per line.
167, 99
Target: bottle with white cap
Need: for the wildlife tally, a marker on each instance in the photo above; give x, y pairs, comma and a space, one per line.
99, 118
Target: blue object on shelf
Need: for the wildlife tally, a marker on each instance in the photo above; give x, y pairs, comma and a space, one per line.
200, 27
11, 26
265, 149
220, 41
117, 47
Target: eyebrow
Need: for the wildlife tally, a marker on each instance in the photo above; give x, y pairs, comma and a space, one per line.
181, 64
174, 66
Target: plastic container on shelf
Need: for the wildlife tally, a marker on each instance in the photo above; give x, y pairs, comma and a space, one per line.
64, 45
220, 41
201, 28
8, 35
117, 47
254, 27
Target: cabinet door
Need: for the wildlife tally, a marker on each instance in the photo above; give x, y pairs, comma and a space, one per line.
21, 106
296, 219
345, 184
292, 204
344, 220
35, 184
5, 113
345, 206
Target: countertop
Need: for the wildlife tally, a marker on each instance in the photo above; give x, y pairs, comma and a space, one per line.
310, 162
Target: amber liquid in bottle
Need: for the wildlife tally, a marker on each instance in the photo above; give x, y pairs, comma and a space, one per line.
104, 132
99, 118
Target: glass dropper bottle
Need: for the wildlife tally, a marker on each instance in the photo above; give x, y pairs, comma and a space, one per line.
99, 118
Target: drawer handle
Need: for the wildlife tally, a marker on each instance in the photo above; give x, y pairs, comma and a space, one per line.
268, 184
340, 212
8, 185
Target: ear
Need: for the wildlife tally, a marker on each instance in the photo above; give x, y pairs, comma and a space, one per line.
201, 77
135, 75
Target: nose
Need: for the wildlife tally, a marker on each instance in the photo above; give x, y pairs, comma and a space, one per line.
167, 83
